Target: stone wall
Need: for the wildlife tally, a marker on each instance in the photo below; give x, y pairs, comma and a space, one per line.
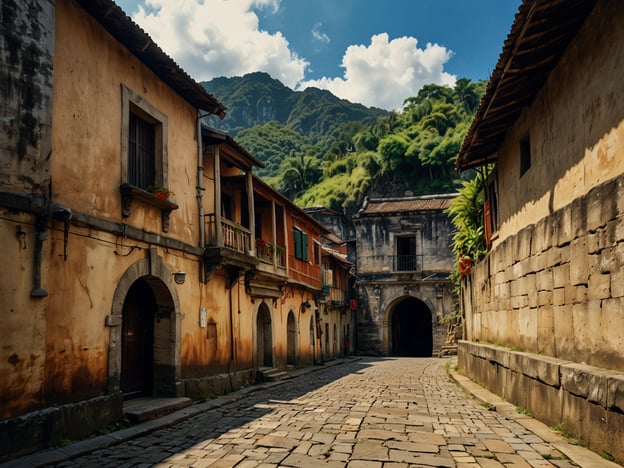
557, 287
589, 401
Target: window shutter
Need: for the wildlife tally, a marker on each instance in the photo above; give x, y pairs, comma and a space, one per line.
297, 237
304, 246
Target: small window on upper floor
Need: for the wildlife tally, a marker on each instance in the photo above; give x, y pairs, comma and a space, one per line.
301, 244
143, 142
525, 155
317, 253
406, 258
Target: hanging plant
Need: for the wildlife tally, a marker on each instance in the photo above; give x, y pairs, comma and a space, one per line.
159, 191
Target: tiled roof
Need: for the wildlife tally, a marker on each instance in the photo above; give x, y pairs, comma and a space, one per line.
128, 33
407, 204
541, 31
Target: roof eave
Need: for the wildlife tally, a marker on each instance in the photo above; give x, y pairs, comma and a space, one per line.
140, 44
529, 54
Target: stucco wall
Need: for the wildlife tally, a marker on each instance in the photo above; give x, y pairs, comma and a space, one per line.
376, 240
26, 72
575, 127
86, 141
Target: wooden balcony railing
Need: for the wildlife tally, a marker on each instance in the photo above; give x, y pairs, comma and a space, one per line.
234, 236
265, 251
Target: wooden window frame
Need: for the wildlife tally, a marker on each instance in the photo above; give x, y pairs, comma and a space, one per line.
133, 103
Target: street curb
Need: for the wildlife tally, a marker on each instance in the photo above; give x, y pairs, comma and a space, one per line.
82, 447
577, 454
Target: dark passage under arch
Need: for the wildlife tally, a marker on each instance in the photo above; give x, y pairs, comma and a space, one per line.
412, 332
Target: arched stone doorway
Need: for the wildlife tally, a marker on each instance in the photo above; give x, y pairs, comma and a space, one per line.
145, 328
146, 367
291, 340
411, 329
264, 337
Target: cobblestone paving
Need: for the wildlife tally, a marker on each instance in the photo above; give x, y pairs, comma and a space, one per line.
371, 413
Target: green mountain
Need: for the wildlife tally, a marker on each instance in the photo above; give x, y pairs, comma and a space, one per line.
256, 98
322, 150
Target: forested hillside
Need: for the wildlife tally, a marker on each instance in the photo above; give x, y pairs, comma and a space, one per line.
256, 98
320, 150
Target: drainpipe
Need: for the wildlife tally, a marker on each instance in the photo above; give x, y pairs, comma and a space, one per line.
40, 236
251, 210
217, 197
200, 181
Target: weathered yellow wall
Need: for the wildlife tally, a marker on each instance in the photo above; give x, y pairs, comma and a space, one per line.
24, 325
58, 348
86, 146
575, 126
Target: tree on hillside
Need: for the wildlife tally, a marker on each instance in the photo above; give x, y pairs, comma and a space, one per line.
299, 172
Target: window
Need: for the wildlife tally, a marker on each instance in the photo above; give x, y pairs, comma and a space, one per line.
143, 154
490, 207
141, 165
317, 253
143, 142
525, 155
301, 244
329, 277
406, 253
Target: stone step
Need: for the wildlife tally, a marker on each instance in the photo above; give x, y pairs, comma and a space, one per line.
145, 408
449, 350
270, 374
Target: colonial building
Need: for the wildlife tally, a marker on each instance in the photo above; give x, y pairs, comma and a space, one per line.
339, 225
404, 261
141, 256
549, 294
339, 298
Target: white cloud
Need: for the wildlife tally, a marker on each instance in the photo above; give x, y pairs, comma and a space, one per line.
212, 38
386, 72
319, 35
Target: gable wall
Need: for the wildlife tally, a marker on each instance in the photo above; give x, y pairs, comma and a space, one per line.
575, 125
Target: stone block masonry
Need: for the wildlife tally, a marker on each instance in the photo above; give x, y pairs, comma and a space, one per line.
568, 261
588, 400
545, 322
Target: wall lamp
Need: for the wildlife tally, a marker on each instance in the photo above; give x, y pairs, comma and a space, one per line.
306, 305
179, 277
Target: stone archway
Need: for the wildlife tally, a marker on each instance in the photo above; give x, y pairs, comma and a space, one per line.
411, 329
291, 340
264, 337
146, 344
147, 289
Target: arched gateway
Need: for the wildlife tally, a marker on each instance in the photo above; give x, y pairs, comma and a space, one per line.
411, 329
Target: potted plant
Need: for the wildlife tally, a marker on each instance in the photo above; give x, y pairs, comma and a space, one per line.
159, 191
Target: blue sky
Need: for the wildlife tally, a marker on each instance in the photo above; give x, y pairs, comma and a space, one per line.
376, 52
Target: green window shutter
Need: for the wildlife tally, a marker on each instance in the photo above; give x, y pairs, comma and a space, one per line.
297, 235
304, 246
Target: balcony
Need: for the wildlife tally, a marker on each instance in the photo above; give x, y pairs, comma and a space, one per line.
234, 236
229, 245
266, 250
406, 263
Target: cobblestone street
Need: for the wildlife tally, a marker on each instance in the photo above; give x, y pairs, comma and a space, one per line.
371, 412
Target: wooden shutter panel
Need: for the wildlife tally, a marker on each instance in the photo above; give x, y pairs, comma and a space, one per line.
304, 246
297, 237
